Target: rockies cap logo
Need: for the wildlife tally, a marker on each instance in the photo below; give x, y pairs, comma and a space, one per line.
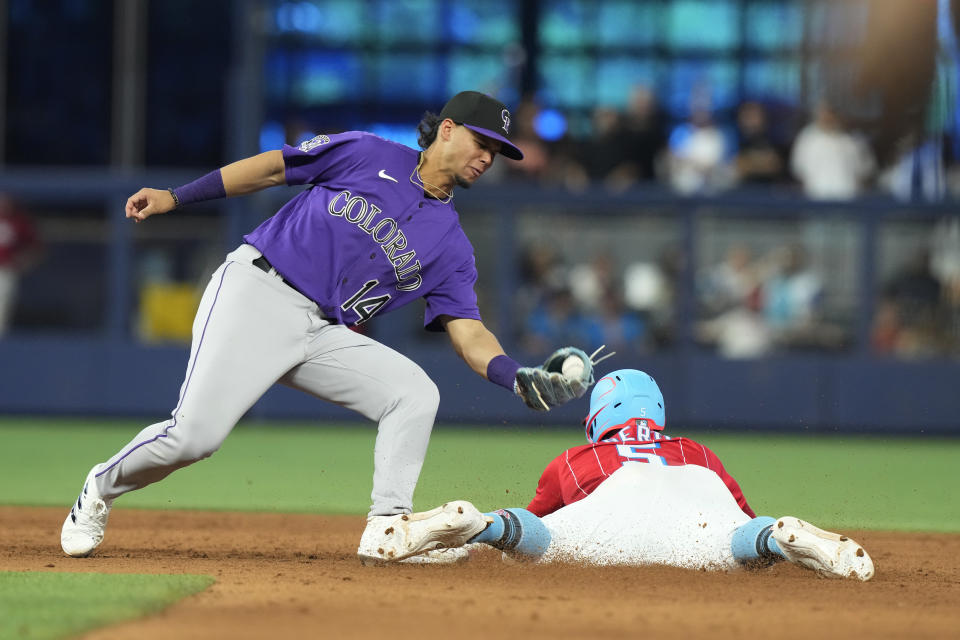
484, 115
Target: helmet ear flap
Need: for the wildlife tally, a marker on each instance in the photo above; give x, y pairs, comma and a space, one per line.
621, 396
590, 423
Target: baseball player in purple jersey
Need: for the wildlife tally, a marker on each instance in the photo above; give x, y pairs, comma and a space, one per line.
375, 230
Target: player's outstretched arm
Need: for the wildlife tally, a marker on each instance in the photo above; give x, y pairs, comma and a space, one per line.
473, 342
254, 173
541, 388
239, 178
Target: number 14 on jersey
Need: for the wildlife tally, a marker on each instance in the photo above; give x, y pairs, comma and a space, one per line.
365, 308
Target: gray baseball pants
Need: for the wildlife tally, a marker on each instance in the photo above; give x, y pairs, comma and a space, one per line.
252, 330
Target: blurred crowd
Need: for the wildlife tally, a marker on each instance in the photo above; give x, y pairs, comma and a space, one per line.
756, 300
918, 308
746, 306
750, 304
821, 153
598, 302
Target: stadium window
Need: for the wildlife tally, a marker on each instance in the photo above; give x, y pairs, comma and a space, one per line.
333, 21
406, 77
616, 77
405, 52
703, 24
774, 26
563, 24
773, 79
709, 80
364, 64
415, 22
325, 76
610, 24
488, 24
566, 81
482, 72
629, 24
595, 52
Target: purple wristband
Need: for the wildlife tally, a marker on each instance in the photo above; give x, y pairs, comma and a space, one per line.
503, 371
209, 187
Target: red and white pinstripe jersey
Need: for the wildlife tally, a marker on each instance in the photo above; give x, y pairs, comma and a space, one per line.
575, 473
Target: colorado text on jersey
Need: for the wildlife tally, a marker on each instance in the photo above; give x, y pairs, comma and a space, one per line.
386, 233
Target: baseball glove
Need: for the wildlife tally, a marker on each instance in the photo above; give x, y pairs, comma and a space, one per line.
545, 386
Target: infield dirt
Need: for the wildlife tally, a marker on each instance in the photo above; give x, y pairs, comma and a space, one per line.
297, 576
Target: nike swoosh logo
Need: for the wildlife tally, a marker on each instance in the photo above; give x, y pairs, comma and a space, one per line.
383, 174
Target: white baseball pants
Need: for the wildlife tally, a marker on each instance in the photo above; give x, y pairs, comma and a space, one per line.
650, 514
252, 330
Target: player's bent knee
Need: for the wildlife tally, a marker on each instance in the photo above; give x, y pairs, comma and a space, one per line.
186, 449
419, 395
430, 395
200, 451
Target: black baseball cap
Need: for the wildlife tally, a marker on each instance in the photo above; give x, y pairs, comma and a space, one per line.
485, 115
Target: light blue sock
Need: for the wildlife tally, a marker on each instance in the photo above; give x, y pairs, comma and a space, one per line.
515, 530
752, 540
493, 532
773, 547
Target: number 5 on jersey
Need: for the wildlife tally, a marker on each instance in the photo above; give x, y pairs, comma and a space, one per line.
365, 308
640, 453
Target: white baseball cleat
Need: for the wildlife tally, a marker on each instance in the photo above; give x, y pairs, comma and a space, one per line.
829, 554
393, 538
86, 523
441, 556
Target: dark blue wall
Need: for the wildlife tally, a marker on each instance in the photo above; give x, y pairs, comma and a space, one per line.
804, 393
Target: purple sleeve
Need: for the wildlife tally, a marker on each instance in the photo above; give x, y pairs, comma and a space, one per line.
454, 297
322, 157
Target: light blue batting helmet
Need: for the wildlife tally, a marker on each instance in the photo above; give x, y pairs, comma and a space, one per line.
620, 396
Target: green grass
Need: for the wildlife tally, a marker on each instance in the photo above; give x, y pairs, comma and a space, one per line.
837, 482
54, 605
848, 482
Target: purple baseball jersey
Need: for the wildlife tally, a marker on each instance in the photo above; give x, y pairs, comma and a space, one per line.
363, 238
